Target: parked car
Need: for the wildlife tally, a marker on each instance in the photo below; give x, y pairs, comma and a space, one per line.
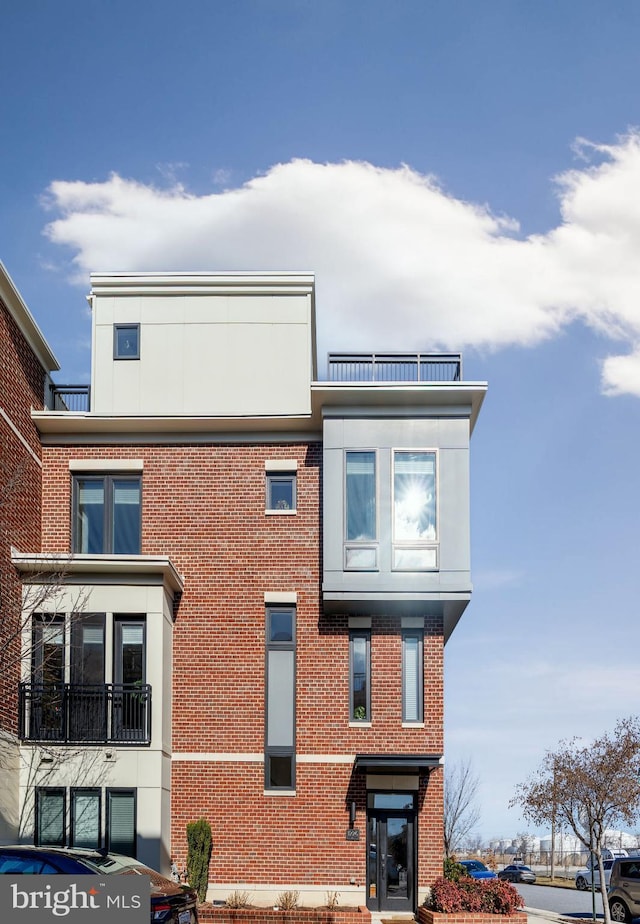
517, 872
477, 870
170, 903
583, 876
624, 889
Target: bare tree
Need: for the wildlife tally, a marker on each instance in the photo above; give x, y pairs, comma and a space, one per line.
588, 788
461, 813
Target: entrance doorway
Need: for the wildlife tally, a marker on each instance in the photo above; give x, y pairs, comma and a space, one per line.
391, 851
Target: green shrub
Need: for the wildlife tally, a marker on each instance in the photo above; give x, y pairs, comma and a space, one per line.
453, 870
198, 856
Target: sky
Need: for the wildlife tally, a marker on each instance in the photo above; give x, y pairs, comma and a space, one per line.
460, 175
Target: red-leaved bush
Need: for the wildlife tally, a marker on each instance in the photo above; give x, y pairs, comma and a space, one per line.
489, 896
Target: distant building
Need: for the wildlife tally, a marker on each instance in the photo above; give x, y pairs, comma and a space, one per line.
260, 570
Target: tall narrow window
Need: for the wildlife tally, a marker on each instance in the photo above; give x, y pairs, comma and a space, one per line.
280, 698
121, 821
47, 715
50, 817
85, 818
359, 671
412, 681
414, 510
87, 695
360, 510
129, 673
107, 514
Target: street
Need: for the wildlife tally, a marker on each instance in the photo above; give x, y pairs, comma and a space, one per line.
568, 902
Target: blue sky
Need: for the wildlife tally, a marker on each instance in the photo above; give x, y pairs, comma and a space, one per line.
460, 175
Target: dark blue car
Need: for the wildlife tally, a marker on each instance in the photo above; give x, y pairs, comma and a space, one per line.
477, 870
170, 902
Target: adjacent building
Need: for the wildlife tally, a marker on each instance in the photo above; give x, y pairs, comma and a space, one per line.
26, 362
251, 571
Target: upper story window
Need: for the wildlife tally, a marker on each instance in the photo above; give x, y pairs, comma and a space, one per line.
281, 480
414, 510
126, 341
412, 676
361, 526
107, 514
280, 721
281, 492
360, 675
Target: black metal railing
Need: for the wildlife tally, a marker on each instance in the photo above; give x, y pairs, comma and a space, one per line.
394, 367
70, 397
64, 713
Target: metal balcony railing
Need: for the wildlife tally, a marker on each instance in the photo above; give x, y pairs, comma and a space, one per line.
70, 397
394, 367
66, 713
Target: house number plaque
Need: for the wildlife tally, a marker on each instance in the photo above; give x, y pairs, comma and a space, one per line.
353, 834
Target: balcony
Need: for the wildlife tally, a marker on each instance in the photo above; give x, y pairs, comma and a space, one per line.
74, 398
107, 713
394, 367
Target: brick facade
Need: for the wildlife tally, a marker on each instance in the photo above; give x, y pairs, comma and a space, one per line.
21, 388
204, 506
181, 607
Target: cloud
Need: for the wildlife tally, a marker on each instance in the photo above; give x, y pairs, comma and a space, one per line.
400, 263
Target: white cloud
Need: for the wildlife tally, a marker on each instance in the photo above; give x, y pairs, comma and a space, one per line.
400, 264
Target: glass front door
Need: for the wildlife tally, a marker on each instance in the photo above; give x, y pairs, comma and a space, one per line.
391, 851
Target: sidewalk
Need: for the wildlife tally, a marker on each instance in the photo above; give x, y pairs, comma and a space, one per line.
539, 916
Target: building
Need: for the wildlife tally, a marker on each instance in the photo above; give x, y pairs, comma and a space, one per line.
257, 569
25, 364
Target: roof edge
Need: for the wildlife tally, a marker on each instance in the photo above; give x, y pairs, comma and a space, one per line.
26, 322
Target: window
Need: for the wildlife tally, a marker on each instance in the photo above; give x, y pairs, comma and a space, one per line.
50, 817
280, 485
281, 492
85, 818
360, 510
360, 676
87, 697
414, 510
78, 816
121, 821
280, 698
412, 683
129, 703
73, 695
46, 716
107, 514
126, 341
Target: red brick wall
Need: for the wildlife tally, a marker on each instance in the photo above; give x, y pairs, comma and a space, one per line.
21, 387
204, 506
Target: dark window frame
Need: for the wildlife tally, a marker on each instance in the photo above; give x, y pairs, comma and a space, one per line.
279, 645
120, 620
117, 329
109, 791
41, 792
364, 634
84, 790
107, 479
419, 635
